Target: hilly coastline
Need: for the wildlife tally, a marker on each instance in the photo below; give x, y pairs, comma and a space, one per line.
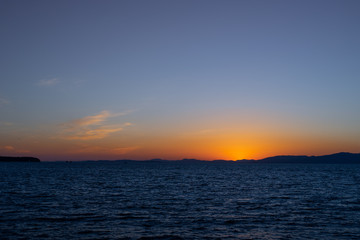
342, 157
337, 158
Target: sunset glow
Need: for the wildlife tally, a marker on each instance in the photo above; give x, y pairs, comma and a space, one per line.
87, 80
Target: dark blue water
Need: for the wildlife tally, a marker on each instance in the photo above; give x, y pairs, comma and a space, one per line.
179, 201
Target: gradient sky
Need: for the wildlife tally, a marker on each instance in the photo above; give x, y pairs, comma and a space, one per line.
179, 79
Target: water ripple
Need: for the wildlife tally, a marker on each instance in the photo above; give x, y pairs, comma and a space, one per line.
179, 201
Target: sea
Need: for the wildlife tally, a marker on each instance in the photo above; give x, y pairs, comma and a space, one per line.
174, 200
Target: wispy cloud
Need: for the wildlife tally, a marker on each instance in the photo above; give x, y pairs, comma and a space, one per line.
92, 127
124, 150
11, 149
203, 132
6, 124
91, 120
103, 150
48, 82
3, 101
90, 134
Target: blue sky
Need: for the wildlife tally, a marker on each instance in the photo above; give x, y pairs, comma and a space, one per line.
161, 69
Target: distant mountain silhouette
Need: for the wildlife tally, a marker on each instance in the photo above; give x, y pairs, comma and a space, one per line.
338, 158
190, 160
342, 157
18, 159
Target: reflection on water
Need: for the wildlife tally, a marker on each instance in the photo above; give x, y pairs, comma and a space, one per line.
179, 201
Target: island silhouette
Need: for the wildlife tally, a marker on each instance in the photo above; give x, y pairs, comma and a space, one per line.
336, 158
342, 157
18, 159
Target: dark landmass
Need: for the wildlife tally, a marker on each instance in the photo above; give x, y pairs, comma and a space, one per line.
343, 157
337, 158
247, 161
19, 159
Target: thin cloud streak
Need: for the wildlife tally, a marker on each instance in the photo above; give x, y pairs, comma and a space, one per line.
92, 127
90, 134
124, 150
91, 120
48, 82
12, 149
7, 124
3, 101
103, 150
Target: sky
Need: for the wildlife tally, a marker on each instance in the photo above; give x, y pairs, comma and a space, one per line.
205, 79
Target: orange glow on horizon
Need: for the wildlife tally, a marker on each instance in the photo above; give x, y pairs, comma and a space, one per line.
249, 141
